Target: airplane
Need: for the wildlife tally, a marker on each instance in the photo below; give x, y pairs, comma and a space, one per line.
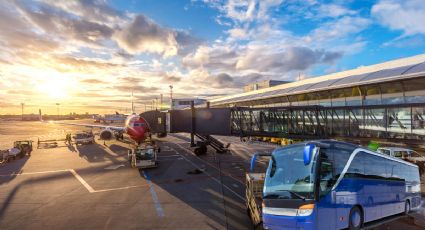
111, 118
135, 126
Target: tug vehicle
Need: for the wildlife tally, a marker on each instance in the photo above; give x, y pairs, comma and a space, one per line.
144, 156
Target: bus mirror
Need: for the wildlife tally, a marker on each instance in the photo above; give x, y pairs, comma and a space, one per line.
308, 153
253, 158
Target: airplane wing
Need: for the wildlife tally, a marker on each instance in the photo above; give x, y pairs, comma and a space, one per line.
116, 128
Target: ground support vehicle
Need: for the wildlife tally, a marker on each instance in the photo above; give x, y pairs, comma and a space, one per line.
144, 156
83, 138
8, 155
254, 184
19, 150
254, 196
25, 147
405, 154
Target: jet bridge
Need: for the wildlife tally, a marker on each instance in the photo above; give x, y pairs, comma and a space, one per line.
403, 123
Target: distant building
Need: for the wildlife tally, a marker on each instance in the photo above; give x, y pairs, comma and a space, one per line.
263, 85
184, 103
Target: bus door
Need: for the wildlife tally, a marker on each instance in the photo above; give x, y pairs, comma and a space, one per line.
331, 165
326, 211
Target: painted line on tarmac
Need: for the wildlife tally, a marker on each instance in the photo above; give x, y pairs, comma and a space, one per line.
158, 207
34, 173
82, 181
113, 167
120, 188
78, 177
177, 155
213, 178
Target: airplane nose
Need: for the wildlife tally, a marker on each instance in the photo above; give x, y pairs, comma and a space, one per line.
140, 131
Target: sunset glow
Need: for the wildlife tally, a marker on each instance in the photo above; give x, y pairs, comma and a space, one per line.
90, 55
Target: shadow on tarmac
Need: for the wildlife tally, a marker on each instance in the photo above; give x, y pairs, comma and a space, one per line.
5, 204
202, 193
14, 166
100, 153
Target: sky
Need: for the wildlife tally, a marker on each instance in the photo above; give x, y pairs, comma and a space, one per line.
90, 55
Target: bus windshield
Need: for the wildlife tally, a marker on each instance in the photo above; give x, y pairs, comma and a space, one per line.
287, 177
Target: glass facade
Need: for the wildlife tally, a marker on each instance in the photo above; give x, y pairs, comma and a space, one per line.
397, 92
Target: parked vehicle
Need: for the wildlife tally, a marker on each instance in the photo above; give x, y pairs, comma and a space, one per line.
25, 147
335, 185
83, 138
405, 154
143, 156
19, 150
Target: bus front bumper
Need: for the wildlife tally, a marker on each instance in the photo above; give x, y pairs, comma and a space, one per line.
275, 222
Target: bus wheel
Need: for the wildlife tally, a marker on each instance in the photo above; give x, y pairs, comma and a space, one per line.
407, 207
356, 218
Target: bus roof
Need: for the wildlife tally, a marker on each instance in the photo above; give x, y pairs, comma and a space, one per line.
353, 148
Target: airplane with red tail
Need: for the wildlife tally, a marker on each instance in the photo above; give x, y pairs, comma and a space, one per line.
135, 126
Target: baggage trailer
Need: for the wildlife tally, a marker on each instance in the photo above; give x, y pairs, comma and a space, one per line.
254, 197
254, 183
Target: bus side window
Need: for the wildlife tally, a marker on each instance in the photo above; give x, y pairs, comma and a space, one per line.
356, 168
333, 161
393, 169
375, 167
327, 179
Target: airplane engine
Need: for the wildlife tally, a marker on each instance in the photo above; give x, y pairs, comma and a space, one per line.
106, 135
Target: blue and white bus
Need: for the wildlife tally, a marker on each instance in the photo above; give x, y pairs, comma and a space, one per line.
334, 185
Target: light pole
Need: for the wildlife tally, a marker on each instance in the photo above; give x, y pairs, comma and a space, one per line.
171, 96
160, 102
22, 108
57, 104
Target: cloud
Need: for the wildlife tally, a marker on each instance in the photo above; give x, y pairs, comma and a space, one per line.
338, 29
407, 16
90, 94
170, 79
93, 81
93, 10
223, 80
144, 35
20, 92
333, 11
135, 88
294, 58
61, 23
218, 57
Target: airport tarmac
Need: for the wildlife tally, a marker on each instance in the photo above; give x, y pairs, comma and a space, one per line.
93, 186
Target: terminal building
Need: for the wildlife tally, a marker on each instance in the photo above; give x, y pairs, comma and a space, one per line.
263, 85
383, 101
184, 103
393, 82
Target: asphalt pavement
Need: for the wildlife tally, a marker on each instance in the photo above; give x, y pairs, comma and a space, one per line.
94, 187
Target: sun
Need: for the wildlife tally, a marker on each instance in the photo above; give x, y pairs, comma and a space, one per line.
55, 88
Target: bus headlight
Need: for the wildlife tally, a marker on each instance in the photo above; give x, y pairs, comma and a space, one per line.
305, 210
